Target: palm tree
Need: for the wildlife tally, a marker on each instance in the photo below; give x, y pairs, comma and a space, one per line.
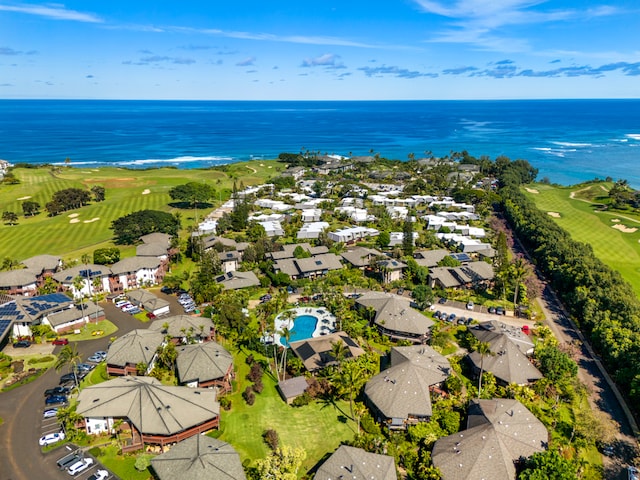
286, 333
339, 352
69, 418
78, 285
518, 272
484, 349
69, 357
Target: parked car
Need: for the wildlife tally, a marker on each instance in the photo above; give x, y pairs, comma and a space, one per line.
99, 475
101, 353
22, 344
492, 309
56, 391
632, 473
80, 466
151, 316
121, 303
442, 300
95, 358
166, 290
60, 341
500, 311
437, 314
452, 317
461, 321
55, 400
50, 413
470, 305
189, 309
400, 291
68, 460
51, 438
67, 378
85, 367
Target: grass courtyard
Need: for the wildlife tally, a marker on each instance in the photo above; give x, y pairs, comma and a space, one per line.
318, 427
614, 235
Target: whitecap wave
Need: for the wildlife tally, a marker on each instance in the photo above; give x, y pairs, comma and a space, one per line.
634, 136
570, 144
175, 160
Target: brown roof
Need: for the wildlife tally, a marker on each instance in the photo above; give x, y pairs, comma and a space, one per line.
315, 352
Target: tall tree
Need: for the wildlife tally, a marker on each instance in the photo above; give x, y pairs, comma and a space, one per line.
10, 218
484, 349
69, 357
30, 208
407, 235
518, 272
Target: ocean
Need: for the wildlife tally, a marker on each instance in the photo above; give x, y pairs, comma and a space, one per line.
569, 141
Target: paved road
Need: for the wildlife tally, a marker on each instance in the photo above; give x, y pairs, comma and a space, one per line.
22, 407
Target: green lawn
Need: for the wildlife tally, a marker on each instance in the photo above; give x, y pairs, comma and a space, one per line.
319, 428
124, 194
86, 332
583, 217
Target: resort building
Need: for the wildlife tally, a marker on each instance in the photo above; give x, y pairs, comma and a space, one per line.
135, 272
19, 282
138, 347
43, 266
149, 302
352, 234
312, 230
94, 278
361, 257
18, 314
205, 365
156, 414
395, 318
401, 395
185, 328
471, 275
500, 434
236, 280
318, 352
311, 267
355, 463
197, 458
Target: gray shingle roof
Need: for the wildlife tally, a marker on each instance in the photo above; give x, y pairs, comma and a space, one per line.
315, 352
137, 346
499, 431
180, 325
199, 458
360, 256
147, 299
133, 264
17, 278
293, 387
355, 463
67, 276
402, 390
42, 262
151, 250
153, 408
430, 258
395, 314
508, 364
236, 280
202, 362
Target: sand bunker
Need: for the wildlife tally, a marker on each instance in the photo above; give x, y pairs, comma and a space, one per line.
553, 214
615, 220
146, 192
624, 229
74, 220
269, 166
24, 198
531, 190
73, 215
262, 164
94, 219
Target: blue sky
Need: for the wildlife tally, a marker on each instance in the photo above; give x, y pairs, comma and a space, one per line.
320, 49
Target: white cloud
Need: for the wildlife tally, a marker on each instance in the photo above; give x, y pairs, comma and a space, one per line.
246, 62
56, 12
326, 60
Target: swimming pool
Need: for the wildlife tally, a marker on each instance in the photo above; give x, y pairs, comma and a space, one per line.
303, 328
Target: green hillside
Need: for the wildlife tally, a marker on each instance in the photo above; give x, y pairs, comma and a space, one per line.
582, 211
81, 231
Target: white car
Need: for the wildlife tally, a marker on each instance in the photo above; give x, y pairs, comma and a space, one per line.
51, 413
80, 466
51, 438
99, 475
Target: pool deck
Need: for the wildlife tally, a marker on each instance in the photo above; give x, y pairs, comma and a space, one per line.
326, 321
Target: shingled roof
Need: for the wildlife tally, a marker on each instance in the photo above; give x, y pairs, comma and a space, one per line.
202, 362
199, 458
508, 364
395, 314
499, 432
181, 325
153, 408
137, 346
355, 463
315, 352
402, 391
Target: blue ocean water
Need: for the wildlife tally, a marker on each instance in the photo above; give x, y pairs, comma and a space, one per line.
569, 141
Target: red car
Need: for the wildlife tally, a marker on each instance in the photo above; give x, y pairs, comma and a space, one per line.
60, 341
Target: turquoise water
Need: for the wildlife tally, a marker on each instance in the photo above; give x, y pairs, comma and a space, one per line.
567, 140
303, 328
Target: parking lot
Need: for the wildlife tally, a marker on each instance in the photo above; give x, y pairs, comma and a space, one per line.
74, 455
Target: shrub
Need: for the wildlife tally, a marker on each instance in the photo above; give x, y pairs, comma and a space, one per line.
142, 462
258, 386
249, 396
302, 400
249, 360
225, 403
271, 438
255, 374
369, 425
95, 451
